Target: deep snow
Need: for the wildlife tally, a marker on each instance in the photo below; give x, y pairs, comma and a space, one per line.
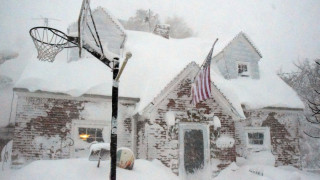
82, 169
78, 169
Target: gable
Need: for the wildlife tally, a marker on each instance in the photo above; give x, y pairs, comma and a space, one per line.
239, 40
241, 46
240, 51
190, 68
179, 90
253, 47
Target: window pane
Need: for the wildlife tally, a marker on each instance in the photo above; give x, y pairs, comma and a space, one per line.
261, 136
239, 69
245, 68
256, 135
99, 133
90, 139
91, 132
256, 138
82, 131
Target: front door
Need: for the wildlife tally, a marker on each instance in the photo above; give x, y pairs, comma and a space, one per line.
194, 149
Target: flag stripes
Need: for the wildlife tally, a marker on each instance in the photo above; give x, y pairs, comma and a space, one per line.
201, 89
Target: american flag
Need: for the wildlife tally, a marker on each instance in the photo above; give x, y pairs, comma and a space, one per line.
201, 88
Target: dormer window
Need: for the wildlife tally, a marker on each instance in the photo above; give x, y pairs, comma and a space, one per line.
243, 69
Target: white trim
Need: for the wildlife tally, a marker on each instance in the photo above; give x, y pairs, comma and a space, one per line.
266, 141
86, 123
206, 143
248, 73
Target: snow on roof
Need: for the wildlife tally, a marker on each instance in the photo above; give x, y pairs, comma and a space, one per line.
155, 62
113, 19
268, 91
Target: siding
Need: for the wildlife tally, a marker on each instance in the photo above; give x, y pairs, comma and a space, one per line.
239, 50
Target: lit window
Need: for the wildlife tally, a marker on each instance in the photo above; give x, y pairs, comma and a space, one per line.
91, 134
243, 69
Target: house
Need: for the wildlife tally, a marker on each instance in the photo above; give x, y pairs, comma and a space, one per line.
251, 109
256, 110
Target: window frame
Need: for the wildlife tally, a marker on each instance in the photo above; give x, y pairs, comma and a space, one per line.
95, 134
87, 124
248, 72
266, 138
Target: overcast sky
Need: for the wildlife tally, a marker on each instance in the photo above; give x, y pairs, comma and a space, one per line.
283, 30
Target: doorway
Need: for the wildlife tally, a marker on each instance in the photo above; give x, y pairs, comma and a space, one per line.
194, 149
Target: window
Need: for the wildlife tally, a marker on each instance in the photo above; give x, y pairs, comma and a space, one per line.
90, 134
243, 69
258, 137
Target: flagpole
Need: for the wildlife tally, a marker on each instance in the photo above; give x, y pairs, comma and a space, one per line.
211, 54
207, 59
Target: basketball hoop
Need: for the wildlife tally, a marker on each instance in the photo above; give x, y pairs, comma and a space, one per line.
48, 41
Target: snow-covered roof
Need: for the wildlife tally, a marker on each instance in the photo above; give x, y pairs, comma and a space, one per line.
154, 64
267, 91
111, 17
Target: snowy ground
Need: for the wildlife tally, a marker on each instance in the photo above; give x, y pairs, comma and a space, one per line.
79, 169
264, 172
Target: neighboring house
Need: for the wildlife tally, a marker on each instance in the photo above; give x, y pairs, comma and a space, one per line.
250, 110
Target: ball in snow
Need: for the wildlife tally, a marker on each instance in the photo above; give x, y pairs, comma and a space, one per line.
125, 158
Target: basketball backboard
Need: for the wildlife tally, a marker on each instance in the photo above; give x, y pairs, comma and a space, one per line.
99, 30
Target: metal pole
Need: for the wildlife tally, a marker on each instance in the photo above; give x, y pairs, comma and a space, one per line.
113, 144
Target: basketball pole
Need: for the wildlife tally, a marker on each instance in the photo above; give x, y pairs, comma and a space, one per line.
114, 126
113, 143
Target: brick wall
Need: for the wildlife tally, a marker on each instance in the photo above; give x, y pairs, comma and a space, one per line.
158, 141
284, 134
43, 124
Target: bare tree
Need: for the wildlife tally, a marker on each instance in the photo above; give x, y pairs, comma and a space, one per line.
144, 20
179, 28
314, 103
306, 82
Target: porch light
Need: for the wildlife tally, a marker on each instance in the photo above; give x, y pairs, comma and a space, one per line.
84, 136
